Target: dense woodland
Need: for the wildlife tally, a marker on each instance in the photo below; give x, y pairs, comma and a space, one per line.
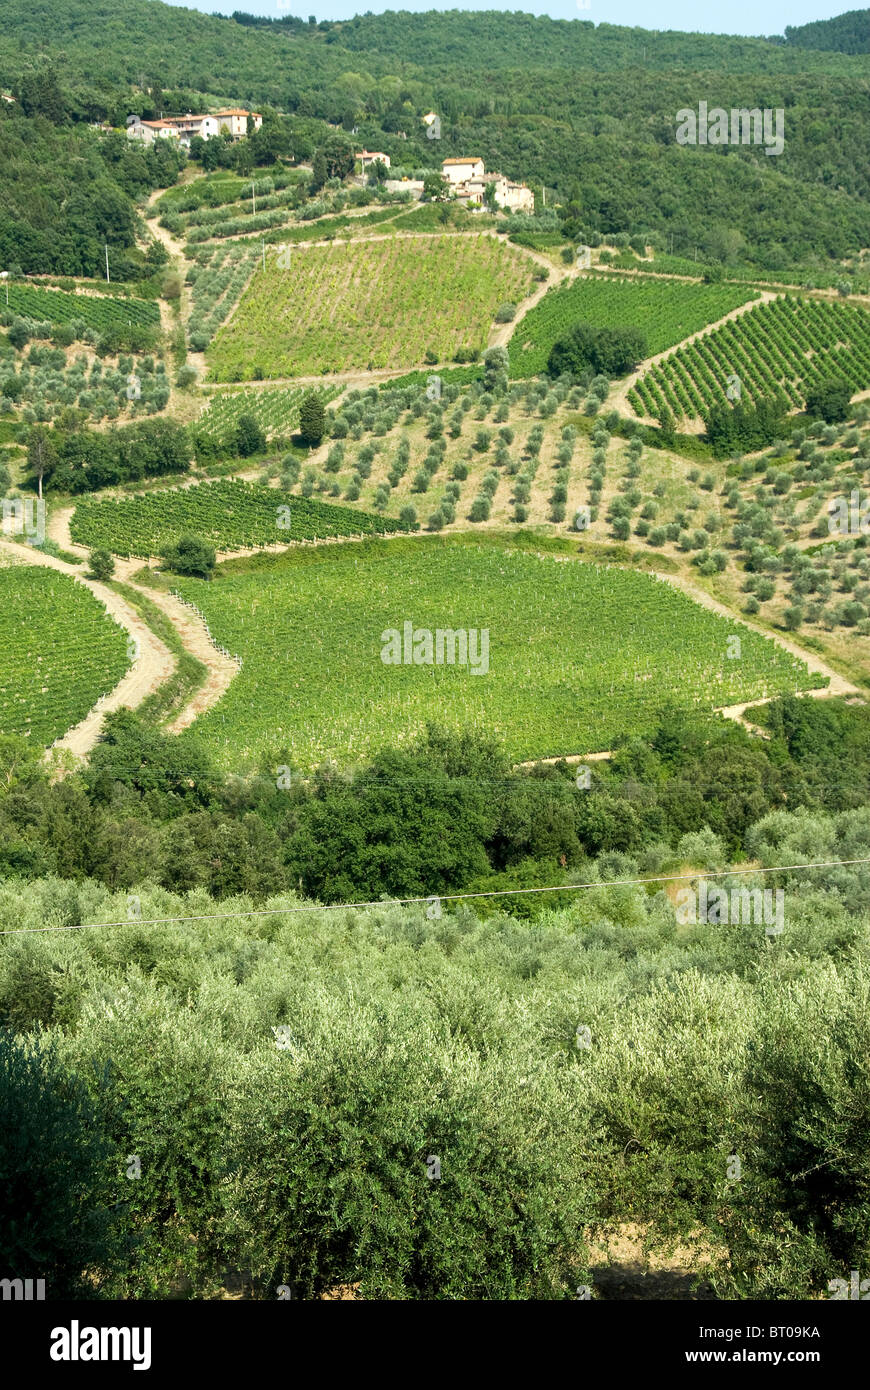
438, 818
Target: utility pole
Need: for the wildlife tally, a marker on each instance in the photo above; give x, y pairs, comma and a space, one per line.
264, 254
254, 196
107, 262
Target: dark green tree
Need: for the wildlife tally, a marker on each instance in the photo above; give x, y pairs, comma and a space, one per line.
828, 400
248, 438
102, 564
190, 555
312, 420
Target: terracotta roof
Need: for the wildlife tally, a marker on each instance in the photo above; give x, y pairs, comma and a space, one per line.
472, 159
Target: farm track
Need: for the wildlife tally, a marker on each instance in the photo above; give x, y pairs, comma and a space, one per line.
189, 627
154, 665
175, 251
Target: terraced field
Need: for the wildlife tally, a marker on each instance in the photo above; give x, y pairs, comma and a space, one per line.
665, 311
785, 346
576, 654
232, 515
59, 652
377, 303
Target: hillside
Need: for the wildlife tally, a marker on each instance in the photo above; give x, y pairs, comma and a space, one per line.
536, 120
847, 33
434, 669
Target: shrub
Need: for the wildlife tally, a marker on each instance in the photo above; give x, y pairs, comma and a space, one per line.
190, 555
102, 564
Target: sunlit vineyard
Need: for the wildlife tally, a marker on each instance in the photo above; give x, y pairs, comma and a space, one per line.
377, 303
59, 652
276, 411
665, 311
784, 346
93, 310
231, 514
577, 653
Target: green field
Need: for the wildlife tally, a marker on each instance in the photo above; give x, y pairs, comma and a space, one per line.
95, 310
382, 303
665, 311
231, 514
276, 411
577, 653
780, 347
59, 652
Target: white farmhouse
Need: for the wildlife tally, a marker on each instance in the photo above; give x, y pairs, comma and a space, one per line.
460, 170
469, 182
234, 121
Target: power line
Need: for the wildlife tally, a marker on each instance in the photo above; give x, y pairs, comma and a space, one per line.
735, 870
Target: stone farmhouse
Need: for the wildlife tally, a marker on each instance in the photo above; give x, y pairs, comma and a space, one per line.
468, 181
234, 120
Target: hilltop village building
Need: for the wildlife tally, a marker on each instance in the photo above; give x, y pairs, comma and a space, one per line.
468, 181
233, 121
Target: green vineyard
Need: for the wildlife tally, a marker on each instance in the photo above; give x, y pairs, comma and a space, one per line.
782, 347
59, 652
383, 303
94, 310
577, 652
276, 411
231, 515
664, 311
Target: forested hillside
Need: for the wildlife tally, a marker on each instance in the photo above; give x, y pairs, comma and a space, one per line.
847, 33
590, 113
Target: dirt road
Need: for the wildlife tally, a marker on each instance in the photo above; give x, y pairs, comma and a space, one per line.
153, 665
189, 626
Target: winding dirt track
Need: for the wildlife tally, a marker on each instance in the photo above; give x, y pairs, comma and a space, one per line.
189, 626
153, 665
